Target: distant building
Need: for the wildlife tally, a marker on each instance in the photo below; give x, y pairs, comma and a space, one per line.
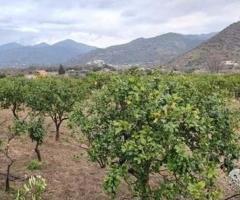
40, 73
76, 73
230, 64
97, 63
52, 73
37, 74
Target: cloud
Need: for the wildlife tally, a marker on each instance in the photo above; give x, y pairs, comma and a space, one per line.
107, 22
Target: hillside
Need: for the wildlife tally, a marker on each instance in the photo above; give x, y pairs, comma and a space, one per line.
151, 51
16, 55
223, 50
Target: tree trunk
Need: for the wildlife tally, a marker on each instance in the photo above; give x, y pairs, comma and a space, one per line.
8, 176
10, 163
101, 163
14, 111
144, 188
38, 152
143, 183
57, 131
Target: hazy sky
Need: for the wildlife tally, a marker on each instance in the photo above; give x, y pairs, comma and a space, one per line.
107, 22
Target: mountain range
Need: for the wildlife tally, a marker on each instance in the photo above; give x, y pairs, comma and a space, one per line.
151, 51
17, 55
173, 50
223, 50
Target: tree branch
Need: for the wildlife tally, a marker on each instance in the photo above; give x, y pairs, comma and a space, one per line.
231, 197
13, 178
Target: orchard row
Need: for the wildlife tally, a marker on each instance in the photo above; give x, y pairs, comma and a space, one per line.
178, 128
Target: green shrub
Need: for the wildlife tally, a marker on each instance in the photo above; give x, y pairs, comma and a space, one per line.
34, 165
141, 125
33, 189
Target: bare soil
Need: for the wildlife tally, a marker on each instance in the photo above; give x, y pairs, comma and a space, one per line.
69, 173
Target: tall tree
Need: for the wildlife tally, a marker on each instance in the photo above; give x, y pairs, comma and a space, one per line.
144, 126
54, 97
12, 97
61, 70
13, 94
36, 132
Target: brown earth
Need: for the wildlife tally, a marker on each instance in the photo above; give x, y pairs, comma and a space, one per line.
66, 167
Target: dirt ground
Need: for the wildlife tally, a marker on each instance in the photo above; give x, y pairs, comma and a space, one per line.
66, 167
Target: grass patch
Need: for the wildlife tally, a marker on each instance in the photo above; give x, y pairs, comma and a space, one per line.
34, 165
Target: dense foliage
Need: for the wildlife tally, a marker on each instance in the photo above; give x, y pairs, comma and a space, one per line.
12, 94
36, 132
54, 97
166, 135
170, 127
